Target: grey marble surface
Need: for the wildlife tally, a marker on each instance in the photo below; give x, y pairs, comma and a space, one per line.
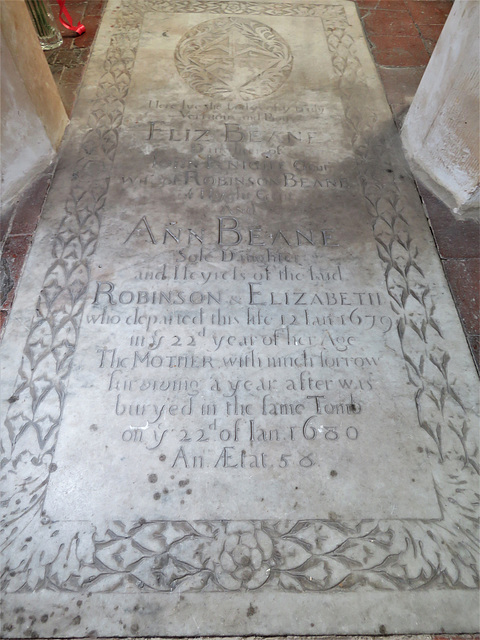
237, 395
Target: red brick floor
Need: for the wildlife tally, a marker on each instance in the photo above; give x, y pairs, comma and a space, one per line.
402, 35
67, 63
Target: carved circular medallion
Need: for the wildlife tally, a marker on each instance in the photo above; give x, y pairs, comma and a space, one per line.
233, 58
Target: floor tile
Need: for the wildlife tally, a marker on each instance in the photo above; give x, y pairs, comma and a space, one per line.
76, 8
14, 252
381, 5
6, 281
396, 23
464, 278
429, 45
474, 342
71, 57
68, 62
3, 320
73, 75
95, 7
399, 51
401, 84
28, 209
51, 56
76, 14
431, 31
399, 112
363, 12
65, 44
430, 34
6, 218
428, 12
57, 70
455, 238
91, 25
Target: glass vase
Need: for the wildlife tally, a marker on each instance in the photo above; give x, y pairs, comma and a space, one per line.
48, 33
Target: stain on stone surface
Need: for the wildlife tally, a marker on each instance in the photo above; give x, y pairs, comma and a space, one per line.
251, 611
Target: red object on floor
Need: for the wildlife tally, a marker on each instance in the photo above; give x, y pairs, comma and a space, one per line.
66, 20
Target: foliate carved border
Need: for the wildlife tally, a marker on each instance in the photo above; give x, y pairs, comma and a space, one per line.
233, 8
222, 555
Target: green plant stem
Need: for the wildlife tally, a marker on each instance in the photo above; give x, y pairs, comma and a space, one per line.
33, 14
40, 17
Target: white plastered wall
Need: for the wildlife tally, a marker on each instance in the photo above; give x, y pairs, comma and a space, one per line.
441, 130
25, 147
33, 118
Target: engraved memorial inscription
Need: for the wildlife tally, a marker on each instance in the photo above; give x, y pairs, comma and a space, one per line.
241, 343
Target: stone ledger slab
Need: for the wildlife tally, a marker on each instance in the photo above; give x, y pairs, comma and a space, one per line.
237, 397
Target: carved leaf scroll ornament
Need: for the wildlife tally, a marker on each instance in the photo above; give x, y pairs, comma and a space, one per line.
233, 58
